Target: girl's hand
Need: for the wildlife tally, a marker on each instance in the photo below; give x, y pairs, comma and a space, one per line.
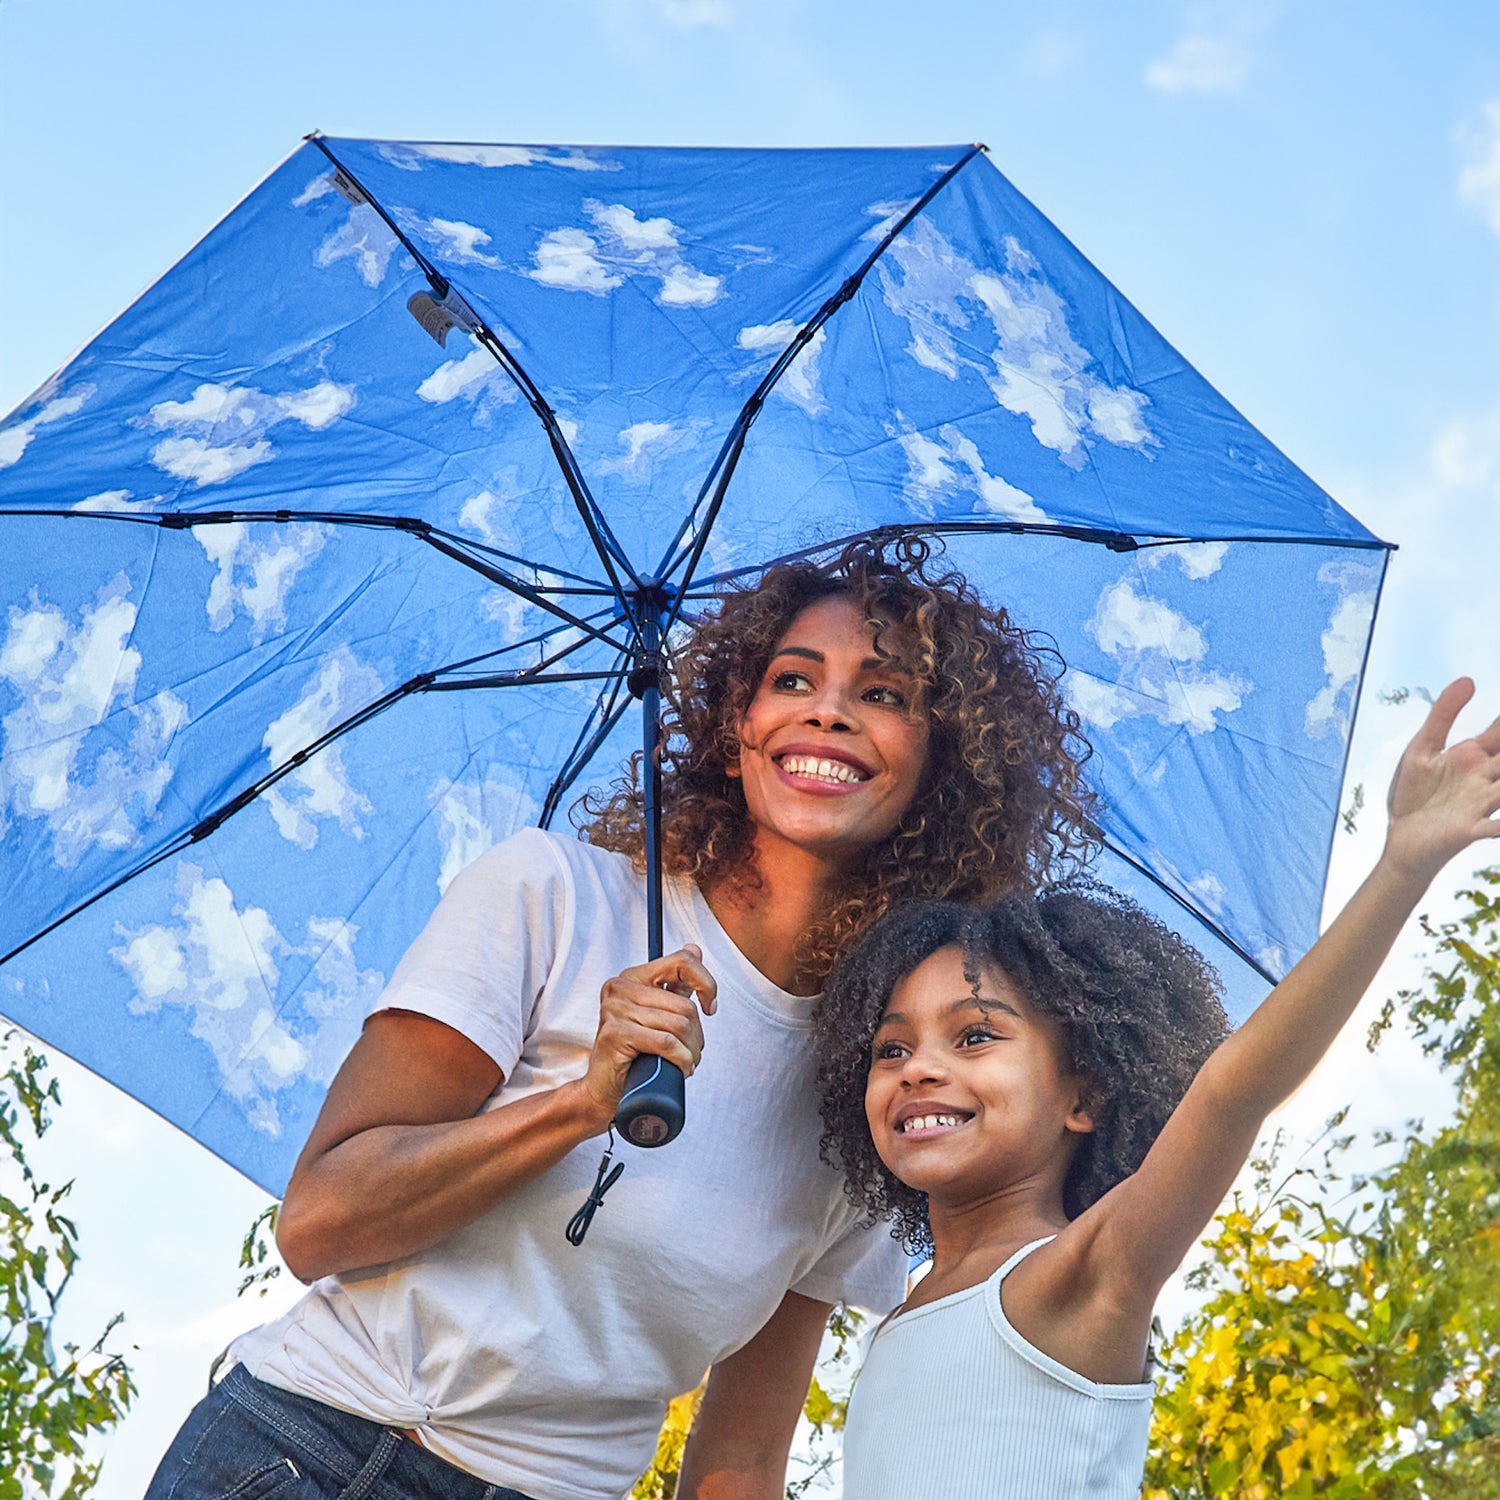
1443, 798
649, 1009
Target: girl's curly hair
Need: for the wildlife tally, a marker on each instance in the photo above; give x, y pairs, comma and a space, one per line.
1001, 799
1138, 1007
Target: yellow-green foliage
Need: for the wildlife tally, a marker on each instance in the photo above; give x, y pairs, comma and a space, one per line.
1348, 1347
50, 1399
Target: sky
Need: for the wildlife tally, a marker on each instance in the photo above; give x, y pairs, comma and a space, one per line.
1305, 201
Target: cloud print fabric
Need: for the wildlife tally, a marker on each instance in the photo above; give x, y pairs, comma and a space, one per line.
188, 610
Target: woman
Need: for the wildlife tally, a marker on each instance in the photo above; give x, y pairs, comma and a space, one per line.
846, 736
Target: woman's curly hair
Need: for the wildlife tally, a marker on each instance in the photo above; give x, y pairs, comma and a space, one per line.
1001, 800
1139, 1012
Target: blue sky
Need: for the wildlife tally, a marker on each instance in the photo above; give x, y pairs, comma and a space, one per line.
1304, 200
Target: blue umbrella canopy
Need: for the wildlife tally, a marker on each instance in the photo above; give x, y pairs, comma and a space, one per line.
328, 562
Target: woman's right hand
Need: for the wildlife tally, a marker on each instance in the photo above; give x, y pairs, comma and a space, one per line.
649, 1008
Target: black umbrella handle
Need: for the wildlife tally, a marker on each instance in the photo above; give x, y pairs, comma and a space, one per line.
651, 1110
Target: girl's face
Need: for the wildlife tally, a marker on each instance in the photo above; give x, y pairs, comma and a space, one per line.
834, 742
967, 1095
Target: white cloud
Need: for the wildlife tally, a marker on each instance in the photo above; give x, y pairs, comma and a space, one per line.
486, 516
1343, 642
456, 240
318, 406
1159, 652
621, 246
221, 962
255, 568
642, 442
219, 431
94, 771
320, 788
689, 14
955, 466
200, 461
799, 381
1099, 703
474, 814
115, 502
412, 156
474, 377
1479, 180
363, 237
684, 287
1198, 560
568, 258
1037, 369
16, 435
1200, 64
319, 187
631, 233
1125, 621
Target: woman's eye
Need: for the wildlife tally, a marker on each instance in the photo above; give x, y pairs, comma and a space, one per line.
885, 695
791, 682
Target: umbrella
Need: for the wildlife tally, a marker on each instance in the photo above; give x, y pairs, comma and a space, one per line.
345, 550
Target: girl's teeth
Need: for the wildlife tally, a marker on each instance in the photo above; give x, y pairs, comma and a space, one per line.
822, 770
930, 1122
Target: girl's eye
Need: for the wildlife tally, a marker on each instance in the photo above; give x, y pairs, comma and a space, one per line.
886, 696
978, 1034
886, 1051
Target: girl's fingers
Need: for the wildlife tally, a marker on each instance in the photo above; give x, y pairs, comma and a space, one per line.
1433, 735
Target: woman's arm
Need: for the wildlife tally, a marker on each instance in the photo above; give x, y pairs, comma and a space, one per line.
1441, 800
737, 1449
400, 1156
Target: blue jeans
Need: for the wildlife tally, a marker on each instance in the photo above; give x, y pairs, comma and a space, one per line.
247, 1440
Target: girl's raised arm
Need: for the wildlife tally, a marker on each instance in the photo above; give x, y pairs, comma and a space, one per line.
1442, 799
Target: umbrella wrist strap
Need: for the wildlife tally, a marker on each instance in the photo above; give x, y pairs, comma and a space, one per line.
578, 1225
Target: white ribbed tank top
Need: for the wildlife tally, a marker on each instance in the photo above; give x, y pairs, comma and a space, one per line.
953, 1404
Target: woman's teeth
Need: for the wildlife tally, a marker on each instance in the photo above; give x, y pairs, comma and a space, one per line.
820, 770
931, 1122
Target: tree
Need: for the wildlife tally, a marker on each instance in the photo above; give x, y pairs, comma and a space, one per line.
824, 1410
49, 1401
1350, 1339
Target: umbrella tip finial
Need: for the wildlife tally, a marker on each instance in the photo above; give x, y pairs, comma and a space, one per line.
312, 135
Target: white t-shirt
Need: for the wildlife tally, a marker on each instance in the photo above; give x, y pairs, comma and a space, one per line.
521, 1358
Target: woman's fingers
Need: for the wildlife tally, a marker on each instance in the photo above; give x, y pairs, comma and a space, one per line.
682, 973
651, 1008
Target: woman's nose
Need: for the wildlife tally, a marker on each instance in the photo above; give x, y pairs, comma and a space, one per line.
831, 710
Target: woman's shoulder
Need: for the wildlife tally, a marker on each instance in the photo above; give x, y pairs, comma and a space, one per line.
533, 856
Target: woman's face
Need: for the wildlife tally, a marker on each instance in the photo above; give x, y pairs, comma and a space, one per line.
834, 742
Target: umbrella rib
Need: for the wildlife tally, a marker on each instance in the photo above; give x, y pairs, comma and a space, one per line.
446, 542
422, 683
729, 455
605, 543
1116, 541
583, 752
1156, 880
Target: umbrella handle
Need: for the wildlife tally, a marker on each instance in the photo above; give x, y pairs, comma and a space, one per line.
651, 1111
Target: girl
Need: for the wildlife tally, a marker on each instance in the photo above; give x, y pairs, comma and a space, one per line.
847, 735
1011, 1104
